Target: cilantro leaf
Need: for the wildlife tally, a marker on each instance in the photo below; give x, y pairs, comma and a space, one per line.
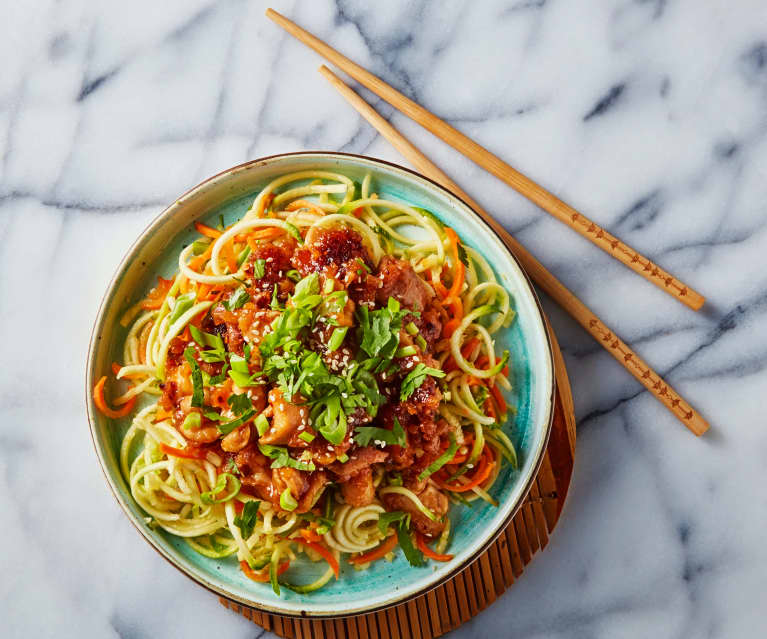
198, 393
239, 403
217, 379
387, 519
227, 428
412, 554
282, 458
246, 520
415, 378
363, 435
216, 352
380, 329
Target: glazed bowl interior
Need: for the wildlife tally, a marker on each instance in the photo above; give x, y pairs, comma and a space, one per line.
229, 194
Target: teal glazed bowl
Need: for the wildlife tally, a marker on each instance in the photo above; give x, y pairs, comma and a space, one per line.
473, 529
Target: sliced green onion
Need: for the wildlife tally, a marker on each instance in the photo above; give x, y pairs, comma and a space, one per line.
337, 338
306, 436
327, 287
225, 481
243, 256
182, 305
287, 501
290, 228
237, 299
411, 328
262, 424
343, 458
293, 274
405, 351
192, 421
421, 342
238, 363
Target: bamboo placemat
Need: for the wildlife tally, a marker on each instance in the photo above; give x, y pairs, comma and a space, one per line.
475, 588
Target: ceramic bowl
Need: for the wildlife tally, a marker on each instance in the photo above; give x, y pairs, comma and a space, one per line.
473, 529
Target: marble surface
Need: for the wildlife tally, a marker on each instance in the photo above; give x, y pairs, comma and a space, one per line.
648, 115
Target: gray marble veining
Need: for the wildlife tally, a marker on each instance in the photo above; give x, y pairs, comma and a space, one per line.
648, 115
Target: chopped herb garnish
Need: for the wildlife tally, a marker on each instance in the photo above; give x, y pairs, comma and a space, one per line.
259, 268
337, 338
239, 403
192, 421
246, 520
363, 435
415, 378
282, 458
198, 393
216, 351
412, 554
287, 501
182, 305
227, 428
226, 482
243, 256
380, 329
387, 519
237, 299
294, 232
307, 437
443, 459
262, 424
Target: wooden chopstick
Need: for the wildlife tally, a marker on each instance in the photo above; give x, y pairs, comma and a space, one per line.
555, 289
492, 163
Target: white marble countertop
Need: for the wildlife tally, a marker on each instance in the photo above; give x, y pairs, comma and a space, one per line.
648, 115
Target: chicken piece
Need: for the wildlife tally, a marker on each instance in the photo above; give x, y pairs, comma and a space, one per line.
431, 497
358, 460
358, 490
255, 472
317, 482
205, 434
237, 439
304, 487
400, 281
289, 479
286, 420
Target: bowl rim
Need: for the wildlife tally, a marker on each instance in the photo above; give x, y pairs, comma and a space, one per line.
199, 578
